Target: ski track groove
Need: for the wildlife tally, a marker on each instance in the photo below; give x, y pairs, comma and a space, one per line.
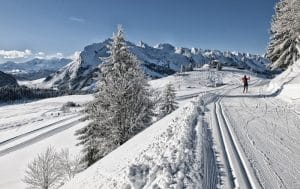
228, 179
7, 141
239, 169
240, 179
38, 138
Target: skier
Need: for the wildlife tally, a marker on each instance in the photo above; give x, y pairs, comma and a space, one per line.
245, 81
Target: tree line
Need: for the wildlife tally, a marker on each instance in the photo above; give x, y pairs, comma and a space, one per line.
11, 94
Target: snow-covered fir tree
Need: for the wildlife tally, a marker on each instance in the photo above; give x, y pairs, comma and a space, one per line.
121, 108
168, 104
285, 31
88, 138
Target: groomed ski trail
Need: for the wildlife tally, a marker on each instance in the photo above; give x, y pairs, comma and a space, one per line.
7, 141
39, 137
239, 172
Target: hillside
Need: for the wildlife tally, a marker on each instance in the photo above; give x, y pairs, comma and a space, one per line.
287, 83
157, 62
35, 68
7, 80
219, 137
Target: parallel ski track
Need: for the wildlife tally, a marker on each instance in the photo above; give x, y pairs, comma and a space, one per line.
39, 137
239, 172
7, 141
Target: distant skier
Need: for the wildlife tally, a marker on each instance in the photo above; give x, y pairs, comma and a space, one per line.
245, 81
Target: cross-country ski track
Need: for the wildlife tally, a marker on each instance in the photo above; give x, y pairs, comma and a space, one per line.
6, 141
256, 140
238, 174
31, 137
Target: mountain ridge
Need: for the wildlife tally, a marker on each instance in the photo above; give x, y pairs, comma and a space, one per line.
7, 80
158, 61
33, 69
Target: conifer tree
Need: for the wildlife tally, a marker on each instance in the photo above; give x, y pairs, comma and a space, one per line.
285, 31
121, 108
168, 101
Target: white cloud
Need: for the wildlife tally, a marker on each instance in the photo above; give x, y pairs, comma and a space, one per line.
42, 55
39, 55
76, 19
14, 54
75, 55
56, 55
23, 56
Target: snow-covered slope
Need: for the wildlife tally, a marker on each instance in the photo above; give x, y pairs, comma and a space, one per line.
287, 83
158, 61
7, 80
221, 139
218, 138
163, 156
28, 129
35, 68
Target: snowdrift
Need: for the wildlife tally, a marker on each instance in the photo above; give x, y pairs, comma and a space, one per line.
287, 83
169, 154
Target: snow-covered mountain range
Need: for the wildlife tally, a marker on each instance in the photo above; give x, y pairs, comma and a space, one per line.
35, 68
7, 80
157, 61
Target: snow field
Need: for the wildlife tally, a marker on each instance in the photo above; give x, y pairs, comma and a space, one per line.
185, 149
28, 129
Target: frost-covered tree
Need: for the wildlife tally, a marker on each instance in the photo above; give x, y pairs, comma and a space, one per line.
44, 172
68, 165
51, 169
168, 104
285, 31
121, 108
88, 138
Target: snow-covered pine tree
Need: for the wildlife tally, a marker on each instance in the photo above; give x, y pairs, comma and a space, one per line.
88, 137
121, 108
282, 50
168, 104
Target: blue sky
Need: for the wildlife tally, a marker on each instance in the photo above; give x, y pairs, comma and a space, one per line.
47, 28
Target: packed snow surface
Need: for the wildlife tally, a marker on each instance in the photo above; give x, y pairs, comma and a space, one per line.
28, 129
217, 138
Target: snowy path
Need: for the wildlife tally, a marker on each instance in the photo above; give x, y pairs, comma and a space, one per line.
19, 136
257, 137
268, 132
27, 139
239, 172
